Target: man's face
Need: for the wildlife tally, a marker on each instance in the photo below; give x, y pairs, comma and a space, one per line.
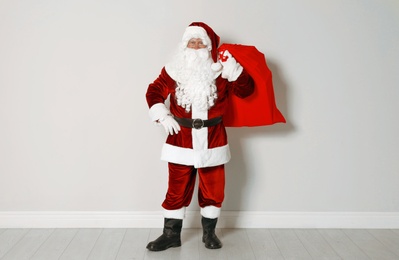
195, 43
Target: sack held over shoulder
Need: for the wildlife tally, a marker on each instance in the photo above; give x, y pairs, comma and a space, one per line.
260, 108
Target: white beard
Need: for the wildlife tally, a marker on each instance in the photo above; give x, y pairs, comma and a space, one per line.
195, 79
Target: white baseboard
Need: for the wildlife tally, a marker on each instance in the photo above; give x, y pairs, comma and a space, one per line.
228, 219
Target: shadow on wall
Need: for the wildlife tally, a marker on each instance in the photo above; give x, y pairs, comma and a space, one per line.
237, 174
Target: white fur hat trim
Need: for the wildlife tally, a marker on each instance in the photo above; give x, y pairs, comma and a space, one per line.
196, 32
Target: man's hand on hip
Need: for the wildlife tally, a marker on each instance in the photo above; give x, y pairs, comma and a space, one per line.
170, 125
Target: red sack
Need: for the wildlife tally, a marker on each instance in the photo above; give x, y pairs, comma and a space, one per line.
260, 108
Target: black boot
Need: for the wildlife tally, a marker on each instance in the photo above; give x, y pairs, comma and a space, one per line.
209, 237
170, 236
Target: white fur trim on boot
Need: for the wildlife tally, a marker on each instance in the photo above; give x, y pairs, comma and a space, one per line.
174, 213
210, 212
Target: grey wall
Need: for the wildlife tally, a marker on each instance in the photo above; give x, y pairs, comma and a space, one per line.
75, 134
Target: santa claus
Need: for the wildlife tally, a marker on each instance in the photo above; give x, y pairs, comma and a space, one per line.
200, 86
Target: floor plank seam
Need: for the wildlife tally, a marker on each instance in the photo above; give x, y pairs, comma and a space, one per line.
120, 245
250, 244
328, 243
37, 249
356, 244
275, 242
94, 245
63, 251
304, 246
16, 243
382, 243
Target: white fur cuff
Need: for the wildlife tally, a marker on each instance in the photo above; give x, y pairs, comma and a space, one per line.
175, 213
158, 111
232, 70
210, 212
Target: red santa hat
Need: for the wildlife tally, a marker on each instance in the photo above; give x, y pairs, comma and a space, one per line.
206, 34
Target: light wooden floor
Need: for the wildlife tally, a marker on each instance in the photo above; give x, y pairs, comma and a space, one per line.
75, 244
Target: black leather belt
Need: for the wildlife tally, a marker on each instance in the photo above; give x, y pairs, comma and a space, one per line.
198, 123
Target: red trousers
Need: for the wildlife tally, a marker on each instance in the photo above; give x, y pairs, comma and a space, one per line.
181, 186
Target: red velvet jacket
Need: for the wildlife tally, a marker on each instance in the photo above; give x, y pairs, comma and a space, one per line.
199, 147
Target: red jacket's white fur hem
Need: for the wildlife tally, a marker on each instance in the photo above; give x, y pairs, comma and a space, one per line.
200, 159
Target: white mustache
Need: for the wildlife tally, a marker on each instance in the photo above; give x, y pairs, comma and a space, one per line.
192, 54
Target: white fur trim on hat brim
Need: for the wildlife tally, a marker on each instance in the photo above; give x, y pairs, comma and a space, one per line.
196, 32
